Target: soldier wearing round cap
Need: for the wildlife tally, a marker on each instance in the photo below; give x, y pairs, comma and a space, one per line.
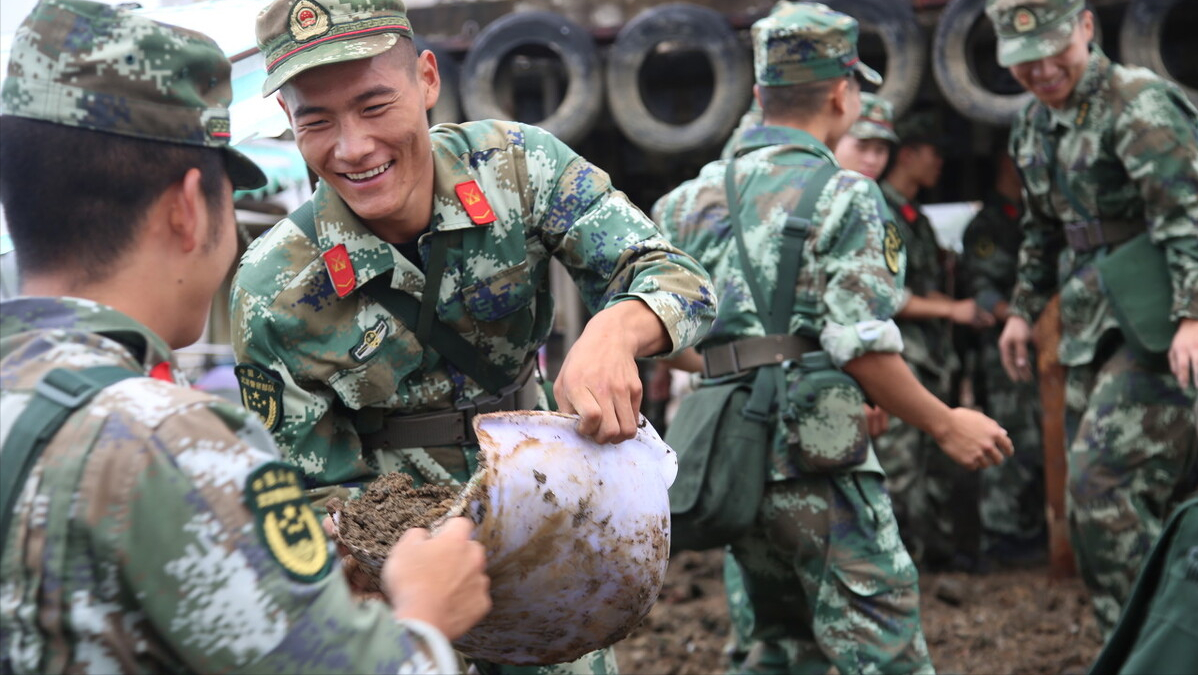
412, 290
826, 573
1109, 161
148, 527
866, 148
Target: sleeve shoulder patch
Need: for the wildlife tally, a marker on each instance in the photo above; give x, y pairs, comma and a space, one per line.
261, 392
892, 247
286, 523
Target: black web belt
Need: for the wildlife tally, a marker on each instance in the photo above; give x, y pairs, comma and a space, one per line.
456, 426
1087, 235
744, 355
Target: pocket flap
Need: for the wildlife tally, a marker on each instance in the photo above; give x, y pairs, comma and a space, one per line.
875, 574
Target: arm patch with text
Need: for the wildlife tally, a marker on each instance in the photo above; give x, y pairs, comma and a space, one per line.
261, 392
285, 521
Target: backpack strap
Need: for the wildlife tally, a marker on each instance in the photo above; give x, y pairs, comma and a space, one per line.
776, 316
421, 317
56, 396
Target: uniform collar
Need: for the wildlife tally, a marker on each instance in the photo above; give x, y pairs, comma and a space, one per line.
759, 137
146, 350
370, 255
1079, 108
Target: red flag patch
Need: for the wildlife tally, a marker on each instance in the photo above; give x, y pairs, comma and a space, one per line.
341, 270
475, 203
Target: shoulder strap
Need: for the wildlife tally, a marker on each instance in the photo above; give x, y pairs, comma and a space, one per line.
420, 318
776, 316
1048, 143
59, 393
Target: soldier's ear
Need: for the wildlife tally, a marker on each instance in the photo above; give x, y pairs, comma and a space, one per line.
187, 213
429, 77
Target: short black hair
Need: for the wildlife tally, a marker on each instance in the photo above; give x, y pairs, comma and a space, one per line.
796, 101
75, 198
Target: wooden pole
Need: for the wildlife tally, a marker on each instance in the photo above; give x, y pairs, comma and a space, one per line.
1047, 335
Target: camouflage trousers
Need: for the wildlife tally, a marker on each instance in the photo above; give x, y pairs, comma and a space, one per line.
935, 499
1012, 494
1133, 457
829, 581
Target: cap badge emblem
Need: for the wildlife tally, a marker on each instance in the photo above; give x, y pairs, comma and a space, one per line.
1024, 20
308, 20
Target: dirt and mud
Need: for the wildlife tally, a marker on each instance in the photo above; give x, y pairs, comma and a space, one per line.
1015, 622
370, 525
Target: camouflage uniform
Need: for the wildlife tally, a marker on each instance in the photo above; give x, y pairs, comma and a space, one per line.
828, 578
335, 362
158, 530
1129, 141
876, 121
918, 475
132, 549
1012, 493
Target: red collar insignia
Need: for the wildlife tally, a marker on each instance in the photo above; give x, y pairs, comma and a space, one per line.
162, 371
909, 213
341, 270
475, 203
1011, 211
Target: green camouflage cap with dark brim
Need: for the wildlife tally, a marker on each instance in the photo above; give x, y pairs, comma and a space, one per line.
876, 120
295, 35
806, 42
90, 65
1029, 30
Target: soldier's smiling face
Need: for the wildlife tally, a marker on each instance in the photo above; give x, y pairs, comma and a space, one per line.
362, 126
1053, 78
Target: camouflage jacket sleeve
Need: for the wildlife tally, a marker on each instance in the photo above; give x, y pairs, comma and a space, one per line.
1036, 276
230, 564
613, 251
1156, 139
307, 424
863, 261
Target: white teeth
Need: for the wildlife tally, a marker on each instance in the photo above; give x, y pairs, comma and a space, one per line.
369, 174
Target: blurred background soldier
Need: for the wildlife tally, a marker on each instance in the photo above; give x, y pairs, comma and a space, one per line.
153, 528
866, 148
935, 504
1011, 499
1109, 161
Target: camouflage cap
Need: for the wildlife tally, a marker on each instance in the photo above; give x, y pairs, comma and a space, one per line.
1029, 30
89, 65
876, 120
295, 35
805, 42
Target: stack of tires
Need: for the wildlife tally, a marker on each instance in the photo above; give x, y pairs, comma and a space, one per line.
571, 96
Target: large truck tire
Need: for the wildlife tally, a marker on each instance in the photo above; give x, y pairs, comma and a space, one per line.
449, 104
956, 72
1140, 39
895, 23
688, 28
583, 101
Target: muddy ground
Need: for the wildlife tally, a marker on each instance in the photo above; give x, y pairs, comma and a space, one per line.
1015, 622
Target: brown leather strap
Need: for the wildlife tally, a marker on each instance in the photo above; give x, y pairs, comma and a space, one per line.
1088, 235
453, 427
741, 356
